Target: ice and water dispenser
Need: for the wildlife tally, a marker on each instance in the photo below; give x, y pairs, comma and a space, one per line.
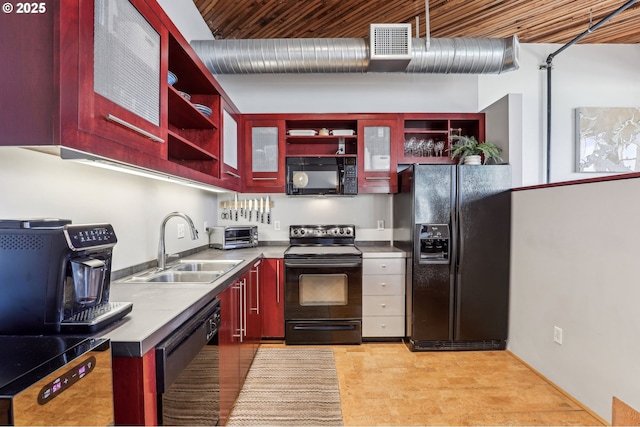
433, 241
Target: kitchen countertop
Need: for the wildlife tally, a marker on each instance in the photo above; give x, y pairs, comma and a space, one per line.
381, 251
159, 308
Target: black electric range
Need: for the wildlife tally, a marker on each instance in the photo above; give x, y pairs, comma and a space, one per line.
323, 285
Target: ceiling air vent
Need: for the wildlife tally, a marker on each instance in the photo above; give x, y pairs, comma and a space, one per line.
390, 48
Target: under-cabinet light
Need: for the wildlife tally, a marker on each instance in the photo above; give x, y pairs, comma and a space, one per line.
104, 163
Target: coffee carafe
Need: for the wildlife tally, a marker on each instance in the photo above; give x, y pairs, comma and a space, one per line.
55, 277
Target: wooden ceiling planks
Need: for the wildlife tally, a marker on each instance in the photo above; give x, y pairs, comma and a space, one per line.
534, 21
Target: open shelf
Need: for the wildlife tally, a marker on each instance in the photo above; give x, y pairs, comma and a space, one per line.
183, 114
183, 149
422, 131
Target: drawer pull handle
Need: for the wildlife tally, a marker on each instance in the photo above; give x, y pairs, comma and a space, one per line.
384, 265
383, 284
383, 305
235, 175
134, 128
383, 326
264, 179
377, 178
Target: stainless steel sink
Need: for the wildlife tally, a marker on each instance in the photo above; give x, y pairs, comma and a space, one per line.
183, 277
216, 266
188, 271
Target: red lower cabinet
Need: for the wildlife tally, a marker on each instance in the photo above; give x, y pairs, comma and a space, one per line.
229, 341
239, 336
134, 390
272, 298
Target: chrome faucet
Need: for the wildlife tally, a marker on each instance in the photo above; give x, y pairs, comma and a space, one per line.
161, 249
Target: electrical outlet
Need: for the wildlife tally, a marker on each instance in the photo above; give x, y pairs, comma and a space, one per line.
380, 224
206, 225
557, 334
181, 231
276, 225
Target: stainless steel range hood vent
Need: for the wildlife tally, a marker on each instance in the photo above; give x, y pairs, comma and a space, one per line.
343, 55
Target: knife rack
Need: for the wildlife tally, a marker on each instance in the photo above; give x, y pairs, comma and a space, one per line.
230, 204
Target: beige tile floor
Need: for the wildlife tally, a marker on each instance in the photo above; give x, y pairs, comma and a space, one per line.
386, 384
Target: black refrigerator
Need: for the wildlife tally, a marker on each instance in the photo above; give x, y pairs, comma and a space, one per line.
455, 222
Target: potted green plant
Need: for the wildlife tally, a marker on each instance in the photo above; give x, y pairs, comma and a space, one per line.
469, 151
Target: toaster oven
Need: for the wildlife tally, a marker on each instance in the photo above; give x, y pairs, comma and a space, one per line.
233, 237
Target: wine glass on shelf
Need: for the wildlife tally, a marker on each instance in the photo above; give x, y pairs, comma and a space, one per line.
429, 147
409, 147
422, 148
439, 148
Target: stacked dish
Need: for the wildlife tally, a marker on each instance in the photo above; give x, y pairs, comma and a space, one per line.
172, 78
203, 109
186, 95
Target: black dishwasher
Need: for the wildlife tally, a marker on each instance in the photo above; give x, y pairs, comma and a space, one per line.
188, 371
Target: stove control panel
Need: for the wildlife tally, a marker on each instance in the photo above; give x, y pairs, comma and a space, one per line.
311, 232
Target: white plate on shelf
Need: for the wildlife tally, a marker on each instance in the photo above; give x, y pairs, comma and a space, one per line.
302, 132
342, 132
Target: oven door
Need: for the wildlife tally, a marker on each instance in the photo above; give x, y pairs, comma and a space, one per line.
323, 300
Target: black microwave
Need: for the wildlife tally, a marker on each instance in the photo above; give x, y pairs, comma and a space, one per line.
308, 176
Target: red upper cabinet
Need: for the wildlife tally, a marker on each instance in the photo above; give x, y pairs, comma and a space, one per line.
122, 73
427, 137
264, 156
232, 152
377, 164
96, 79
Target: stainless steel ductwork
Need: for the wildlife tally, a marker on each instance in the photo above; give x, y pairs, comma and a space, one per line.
348, 55
464, 56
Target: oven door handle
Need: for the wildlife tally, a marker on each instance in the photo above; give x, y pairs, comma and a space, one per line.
332, 264
324, 327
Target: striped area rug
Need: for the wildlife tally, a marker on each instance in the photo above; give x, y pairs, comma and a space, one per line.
289, 386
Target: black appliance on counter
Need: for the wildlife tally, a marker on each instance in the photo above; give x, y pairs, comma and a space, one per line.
455, 221
47, 380
55, 277
323, 285
309, 176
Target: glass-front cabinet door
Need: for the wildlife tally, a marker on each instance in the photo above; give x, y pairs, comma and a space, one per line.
265, 159
230, 167
123, 76
377, 170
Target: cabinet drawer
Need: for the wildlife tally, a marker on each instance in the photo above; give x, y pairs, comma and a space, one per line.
383, 266
383, 326
383, 284
387, 305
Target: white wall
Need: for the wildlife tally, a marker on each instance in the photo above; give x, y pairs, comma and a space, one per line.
575, 265
352, 93
363, 210
186, 17
36, 185
582, 76
503, 120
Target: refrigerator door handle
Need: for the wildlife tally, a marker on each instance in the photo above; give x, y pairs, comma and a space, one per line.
454, 259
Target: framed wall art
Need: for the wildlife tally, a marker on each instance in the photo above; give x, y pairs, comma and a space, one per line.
608, 139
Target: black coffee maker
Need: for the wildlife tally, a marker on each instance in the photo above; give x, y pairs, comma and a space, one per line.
55, 277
